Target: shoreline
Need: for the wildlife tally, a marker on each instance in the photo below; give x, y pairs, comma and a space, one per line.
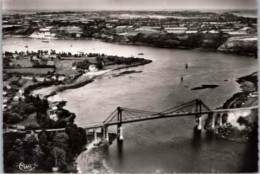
83, 80
142, 44
230, 131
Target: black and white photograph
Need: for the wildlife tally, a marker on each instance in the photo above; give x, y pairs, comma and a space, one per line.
129, 86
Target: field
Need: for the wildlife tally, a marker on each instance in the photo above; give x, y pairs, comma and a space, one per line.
33, 71
24, 62
64, 66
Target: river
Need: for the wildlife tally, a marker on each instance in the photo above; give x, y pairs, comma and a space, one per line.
166, 145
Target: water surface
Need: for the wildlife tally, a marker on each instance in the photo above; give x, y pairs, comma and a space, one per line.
166, 145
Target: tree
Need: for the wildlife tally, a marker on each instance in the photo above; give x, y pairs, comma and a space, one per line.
99, 63
61, 140
77, 138
11, 118
12, 158
59, 156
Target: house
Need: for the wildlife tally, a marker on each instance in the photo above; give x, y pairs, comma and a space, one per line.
5, 100
27, 77
40, 79
4, 107
54, 77
123, 29
147, 29
61, 78
53, 113
50, 63
16, 98
93, 64
20, 92
248, 30
92, 68
191, 31
176, 30
236, 33
22, 98
253, 94
43, 33
72, 30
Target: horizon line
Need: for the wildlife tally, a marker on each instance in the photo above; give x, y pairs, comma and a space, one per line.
180, 9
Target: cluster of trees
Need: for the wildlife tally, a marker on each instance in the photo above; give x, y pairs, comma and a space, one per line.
122, 60
197, 40
82, 64
251, 78
45, 150
29, 106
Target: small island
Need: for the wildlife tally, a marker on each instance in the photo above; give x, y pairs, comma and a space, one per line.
205, 86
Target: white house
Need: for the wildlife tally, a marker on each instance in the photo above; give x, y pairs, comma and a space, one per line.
92, 68
20, 92
16, 98
123, 29
43, 33
176, 30
61, 78
52, 113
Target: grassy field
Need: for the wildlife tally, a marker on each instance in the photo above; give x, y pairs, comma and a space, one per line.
64, 67
35, 71
24, 62
29, 121
26, 83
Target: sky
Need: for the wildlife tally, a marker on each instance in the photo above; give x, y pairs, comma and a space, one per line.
126, 4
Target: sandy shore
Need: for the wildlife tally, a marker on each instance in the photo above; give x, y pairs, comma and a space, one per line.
81, 81
92, 160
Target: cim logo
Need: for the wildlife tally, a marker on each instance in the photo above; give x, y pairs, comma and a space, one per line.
26, 167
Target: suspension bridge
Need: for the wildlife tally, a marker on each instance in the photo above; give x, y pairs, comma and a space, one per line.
195, 108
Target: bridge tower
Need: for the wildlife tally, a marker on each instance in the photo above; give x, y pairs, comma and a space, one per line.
119, 126
198, 114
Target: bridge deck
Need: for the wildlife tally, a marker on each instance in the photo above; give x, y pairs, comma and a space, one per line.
132, 115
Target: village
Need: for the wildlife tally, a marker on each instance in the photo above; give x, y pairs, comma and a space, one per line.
27, 71
31, 76
179, 29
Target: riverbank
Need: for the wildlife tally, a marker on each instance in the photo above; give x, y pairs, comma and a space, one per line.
157, 88
241, 45
240, 127
82, 80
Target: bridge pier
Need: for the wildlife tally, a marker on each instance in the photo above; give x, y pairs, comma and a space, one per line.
120, 132
213, 119
119, 126
95, 135
199, 126
105, 133
102, 132
220, 120
198, 115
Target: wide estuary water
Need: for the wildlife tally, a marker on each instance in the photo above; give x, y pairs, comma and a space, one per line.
165, 145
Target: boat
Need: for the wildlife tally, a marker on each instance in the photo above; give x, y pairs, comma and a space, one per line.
140, 53
45, 41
